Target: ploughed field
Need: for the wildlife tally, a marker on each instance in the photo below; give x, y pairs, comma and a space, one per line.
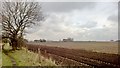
77, 57
104, 47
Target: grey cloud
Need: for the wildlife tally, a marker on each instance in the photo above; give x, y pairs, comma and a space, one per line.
113, 17
80, 24
0, 25
66, 6
89, 24
119, 14
105, 33
52, 23
119, 20
98, 34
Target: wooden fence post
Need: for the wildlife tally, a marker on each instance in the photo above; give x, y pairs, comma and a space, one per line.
39, 54
46, 54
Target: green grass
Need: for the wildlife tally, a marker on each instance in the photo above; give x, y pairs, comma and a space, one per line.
25, 58
6, 61
0, 59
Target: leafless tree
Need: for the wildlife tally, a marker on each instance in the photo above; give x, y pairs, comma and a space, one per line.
16, 17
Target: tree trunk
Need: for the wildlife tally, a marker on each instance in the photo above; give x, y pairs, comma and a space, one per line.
14, 43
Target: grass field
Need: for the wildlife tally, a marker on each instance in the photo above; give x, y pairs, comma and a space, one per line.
28, 58
24, 58
104, 47
0, 58
6, 60
0, 55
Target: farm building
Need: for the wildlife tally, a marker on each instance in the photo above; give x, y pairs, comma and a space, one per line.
68, 40
41, 40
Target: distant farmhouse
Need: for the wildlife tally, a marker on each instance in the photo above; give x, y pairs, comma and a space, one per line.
41, 40
68, 40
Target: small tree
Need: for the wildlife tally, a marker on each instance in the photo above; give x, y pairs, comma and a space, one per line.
5, 40
16, 17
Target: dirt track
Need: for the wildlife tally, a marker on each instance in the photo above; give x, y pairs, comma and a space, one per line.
78, 57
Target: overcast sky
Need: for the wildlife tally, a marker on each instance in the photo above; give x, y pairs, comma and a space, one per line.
78, 20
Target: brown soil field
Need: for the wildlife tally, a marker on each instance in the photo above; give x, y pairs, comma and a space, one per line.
103, 47
77, 56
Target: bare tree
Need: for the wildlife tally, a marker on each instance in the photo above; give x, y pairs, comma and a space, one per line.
16, 17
